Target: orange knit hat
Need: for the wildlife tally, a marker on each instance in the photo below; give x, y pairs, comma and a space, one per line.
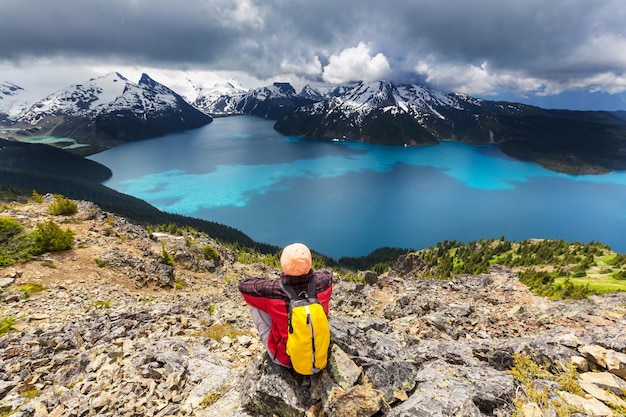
296, 259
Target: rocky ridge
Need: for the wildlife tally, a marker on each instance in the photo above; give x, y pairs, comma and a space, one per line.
118, 332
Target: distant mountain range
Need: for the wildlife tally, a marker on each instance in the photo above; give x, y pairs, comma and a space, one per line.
577, 142
273, 102
107, 111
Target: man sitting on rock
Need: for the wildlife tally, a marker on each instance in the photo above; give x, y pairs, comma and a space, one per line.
269, 304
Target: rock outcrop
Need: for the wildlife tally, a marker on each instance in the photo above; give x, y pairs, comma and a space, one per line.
130, 335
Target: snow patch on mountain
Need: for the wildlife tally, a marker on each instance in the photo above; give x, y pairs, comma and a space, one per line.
13, 101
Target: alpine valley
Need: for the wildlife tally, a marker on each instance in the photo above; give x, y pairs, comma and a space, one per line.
107, 111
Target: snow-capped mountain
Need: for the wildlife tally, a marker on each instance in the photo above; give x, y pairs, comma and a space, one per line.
112, 109
340, 90
112, 92
311, 93
383, 95
12, 101
80, 100
273, 102
412, 114
220, 99
368, 110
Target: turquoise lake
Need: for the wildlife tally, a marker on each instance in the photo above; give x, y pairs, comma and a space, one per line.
347, 199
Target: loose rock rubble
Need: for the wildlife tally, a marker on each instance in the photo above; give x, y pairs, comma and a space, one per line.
132, 336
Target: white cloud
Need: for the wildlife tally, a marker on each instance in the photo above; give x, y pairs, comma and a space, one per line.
606, 48
298, 65
41, 77
356, 64
481, 80
609, 82
475, 79
245, 12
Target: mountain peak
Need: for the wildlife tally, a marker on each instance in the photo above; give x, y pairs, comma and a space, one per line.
376, 94
147, 81
111, 76
285, 88
311, 92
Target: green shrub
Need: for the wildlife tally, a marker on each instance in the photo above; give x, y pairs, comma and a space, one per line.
525, 372
353, 277
36, 197
620, 275
15, 243
102, 304
579, 271
62, 206
618, 260
30, 394
28, 288
166, 257
31, 287
9, 228
250, 256
6, 325
48, 237
210, 253
100, 262
212, 397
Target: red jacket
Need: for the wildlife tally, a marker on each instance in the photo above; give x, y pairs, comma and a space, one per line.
266, 295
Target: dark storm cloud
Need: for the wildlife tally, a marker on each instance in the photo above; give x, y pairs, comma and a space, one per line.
148, 31
533, 34
497, 43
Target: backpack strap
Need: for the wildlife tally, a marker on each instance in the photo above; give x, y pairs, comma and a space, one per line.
288, 289
312, 291
291, 293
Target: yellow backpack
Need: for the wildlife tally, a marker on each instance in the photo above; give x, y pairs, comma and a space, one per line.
309, 331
